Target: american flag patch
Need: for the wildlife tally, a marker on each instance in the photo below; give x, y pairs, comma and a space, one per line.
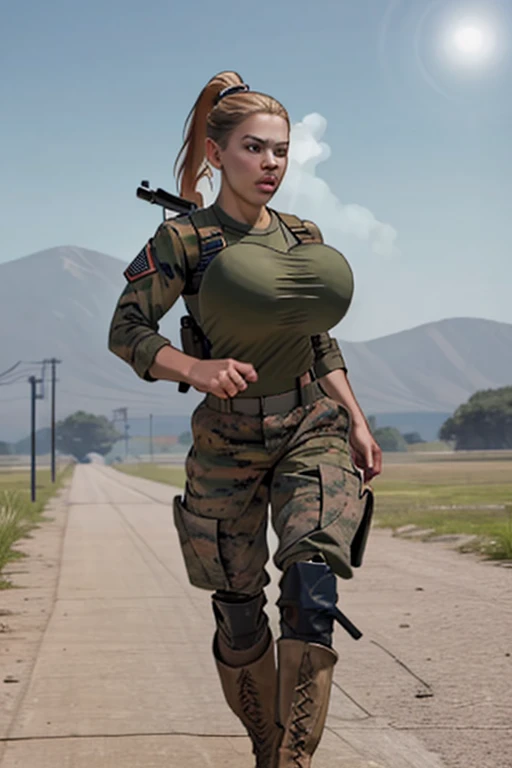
142, 265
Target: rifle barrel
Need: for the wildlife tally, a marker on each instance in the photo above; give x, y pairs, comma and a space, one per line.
166, 200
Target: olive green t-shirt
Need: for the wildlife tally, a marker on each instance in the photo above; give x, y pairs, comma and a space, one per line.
263, 299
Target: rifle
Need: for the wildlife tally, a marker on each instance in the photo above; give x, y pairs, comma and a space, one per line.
165, 199
193, 340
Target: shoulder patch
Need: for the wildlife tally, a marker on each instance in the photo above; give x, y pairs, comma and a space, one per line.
142, 265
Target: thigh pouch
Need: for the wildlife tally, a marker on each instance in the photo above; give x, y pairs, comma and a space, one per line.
200, 548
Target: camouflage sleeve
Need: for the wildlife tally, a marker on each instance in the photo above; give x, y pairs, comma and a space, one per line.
156, 278
328, 355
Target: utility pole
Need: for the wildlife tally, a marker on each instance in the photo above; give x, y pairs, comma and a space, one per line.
123, 414
33, 397
151, 438
126, 428
54, 363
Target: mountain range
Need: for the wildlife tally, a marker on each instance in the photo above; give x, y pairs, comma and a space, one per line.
58, 303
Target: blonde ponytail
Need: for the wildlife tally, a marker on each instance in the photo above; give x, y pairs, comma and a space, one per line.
216, 121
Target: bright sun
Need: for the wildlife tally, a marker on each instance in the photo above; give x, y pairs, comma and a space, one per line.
470, 42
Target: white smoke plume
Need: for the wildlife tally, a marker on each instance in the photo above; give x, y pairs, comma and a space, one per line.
305, 194
310, 197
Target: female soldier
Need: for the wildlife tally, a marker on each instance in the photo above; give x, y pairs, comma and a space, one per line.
279, 421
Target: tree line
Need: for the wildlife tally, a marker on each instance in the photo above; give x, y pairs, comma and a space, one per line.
77, 435
484, 422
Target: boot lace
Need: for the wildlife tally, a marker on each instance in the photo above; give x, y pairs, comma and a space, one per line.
300, 711
259, 727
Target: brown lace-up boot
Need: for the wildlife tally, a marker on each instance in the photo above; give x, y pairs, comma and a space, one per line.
250, 691
304, 688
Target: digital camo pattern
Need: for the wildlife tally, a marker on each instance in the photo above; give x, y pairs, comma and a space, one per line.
299, 463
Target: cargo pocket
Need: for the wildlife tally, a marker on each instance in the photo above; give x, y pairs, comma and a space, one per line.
344, 519
200, 548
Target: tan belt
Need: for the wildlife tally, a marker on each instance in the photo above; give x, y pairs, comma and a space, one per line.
268, 405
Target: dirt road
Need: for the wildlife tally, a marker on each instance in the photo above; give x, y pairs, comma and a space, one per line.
105, 652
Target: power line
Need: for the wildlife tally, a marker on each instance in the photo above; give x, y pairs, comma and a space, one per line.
136, 396
16, 373
6, 378
12, 368
21, 377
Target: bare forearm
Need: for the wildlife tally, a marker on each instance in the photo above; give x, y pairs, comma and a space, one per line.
172, 364
337, 386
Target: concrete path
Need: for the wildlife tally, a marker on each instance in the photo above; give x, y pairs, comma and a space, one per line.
123, 675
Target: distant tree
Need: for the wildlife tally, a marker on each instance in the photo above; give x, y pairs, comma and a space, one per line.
390, 439
411, 438
447, 431
43, 443
82, 433
484, 422
185, 438
5, 448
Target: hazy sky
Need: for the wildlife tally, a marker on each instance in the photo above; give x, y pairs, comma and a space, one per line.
401, 146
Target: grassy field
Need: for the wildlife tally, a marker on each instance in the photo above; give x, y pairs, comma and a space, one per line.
457, 494
447, 493
18, 515
435, 445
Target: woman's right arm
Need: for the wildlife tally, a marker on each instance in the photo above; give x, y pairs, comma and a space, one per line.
155, 281
171, 364
156, 278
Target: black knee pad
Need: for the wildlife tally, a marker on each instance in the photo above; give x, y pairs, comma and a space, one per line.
240, 619
308, 604
308, 597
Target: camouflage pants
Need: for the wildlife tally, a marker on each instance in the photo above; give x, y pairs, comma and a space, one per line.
298, 463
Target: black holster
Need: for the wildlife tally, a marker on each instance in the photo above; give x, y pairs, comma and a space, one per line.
193, 343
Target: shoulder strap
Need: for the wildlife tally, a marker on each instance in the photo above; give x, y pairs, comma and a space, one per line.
305, 232
200, 244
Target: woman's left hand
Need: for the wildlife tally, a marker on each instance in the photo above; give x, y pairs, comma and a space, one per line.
366, 453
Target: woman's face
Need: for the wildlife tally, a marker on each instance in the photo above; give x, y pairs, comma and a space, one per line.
255, 159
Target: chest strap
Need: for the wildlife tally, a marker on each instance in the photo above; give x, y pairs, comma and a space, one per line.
202, 244
306, 232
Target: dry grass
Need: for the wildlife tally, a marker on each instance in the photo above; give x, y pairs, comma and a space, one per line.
18, 515
448, 493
